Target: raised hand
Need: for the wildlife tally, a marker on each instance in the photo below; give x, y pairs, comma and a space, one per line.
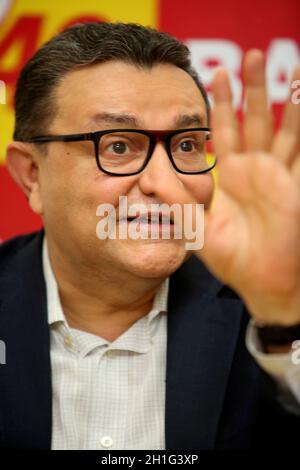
252, 228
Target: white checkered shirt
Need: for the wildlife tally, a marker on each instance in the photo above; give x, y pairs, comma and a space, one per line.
107, 395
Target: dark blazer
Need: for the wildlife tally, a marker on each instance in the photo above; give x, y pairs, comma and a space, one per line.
216, 395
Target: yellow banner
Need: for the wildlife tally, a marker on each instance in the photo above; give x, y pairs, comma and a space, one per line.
26, 24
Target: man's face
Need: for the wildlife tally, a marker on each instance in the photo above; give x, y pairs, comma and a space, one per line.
72, 186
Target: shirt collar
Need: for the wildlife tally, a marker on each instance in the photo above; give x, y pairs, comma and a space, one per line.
55, 311
56, 314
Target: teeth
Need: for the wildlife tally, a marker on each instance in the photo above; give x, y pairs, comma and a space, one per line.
154, 218
143, 219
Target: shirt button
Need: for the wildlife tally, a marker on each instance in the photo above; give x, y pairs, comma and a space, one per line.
111, 353
106, 442
68, 341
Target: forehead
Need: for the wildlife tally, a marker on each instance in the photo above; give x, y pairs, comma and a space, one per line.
154, 97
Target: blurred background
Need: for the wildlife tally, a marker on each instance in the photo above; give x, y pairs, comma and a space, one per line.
217, 32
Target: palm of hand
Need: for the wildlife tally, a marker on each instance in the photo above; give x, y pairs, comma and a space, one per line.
252, 228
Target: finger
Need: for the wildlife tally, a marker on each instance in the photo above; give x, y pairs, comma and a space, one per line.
287, 141
257, 128
226, 137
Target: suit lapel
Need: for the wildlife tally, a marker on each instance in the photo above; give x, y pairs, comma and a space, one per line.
26, 377
203, 326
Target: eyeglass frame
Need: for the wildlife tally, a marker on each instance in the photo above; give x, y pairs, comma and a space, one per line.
154, 137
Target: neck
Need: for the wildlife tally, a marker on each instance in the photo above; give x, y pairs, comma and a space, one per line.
93, 301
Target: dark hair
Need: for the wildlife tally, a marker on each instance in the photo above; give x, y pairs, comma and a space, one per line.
82, 45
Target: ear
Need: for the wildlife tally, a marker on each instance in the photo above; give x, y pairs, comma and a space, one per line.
22, 164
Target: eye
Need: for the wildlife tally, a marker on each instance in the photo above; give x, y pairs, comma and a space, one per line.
118, 147
186, 146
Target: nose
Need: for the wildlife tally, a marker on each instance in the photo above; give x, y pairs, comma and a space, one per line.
158, 172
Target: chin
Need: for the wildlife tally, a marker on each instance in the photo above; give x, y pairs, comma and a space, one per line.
155, 260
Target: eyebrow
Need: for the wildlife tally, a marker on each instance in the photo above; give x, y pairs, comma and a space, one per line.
185, 120
181, 121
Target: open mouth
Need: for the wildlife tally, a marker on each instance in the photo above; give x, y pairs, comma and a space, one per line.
152, 218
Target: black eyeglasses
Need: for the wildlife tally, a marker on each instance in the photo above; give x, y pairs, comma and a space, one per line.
126, 152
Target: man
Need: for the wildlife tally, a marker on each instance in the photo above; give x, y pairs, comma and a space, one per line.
121, 343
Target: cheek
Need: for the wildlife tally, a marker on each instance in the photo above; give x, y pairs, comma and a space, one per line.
76, 180
76, 194
107, 189
200, 186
